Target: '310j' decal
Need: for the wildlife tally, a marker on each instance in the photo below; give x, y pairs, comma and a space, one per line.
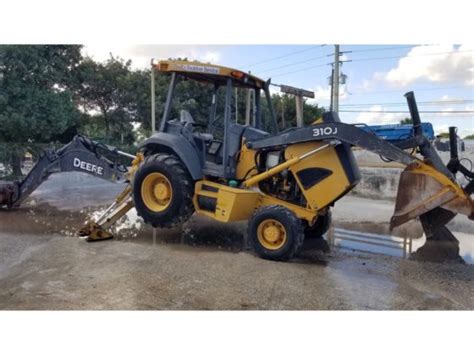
325, 131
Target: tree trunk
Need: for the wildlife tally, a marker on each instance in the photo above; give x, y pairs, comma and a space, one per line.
107, 129
16, 164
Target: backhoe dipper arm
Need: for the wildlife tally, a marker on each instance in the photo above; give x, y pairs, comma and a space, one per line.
81, 154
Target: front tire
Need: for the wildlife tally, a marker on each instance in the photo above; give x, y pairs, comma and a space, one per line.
162, 191
276, 233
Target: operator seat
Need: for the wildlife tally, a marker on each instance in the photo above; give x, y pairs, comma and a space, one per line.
188, 121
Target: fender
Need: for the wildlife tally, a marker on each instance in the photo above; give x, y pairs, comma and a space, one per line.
166, 142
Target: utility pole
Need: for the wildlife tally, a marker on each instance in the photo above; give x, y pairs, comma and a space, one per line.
152, 93
331, 82
299, 111
299, 95
335, 80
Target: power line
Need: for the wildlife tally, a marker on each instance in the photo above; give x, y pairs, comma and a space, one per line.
403, 91
411, 56
299, 70
441, 102
324, 56
294, 63
282, 56
380, 49
369, 59
381, 111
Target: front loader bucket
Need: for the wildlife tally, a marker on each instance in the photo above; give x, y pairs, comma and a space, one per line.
426, 193
422, 188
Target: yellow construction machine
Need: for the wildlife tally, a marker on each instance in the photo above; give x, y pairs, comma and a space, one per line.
283, 183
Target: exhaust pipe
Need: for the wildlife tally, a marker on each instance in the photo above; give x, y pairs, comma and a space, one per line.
453, 143
426, 149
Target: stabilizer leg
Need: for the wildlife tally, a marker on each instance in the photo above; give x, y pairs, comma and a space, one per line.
98, 230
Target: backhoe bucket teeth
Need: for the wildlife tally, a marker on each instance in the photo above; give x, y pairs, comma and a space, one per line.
422, 189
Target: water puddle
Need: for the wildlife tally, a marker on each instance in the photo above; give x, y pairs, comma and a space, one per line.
199, 231
203, 232
376, 238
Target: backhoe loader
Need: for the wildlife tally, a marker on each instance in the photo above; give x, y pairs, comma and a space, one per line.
283, 183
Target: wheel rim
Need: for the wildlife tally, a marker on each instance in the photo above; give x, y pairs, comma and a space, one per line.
271, 234
156, 192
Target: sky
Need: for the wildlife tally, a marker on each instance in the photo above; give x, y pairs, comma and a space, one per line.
442, 76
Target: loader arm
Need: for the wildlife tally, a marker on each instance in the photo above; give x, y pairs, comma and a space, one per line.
427, 189
81, 154
343, 132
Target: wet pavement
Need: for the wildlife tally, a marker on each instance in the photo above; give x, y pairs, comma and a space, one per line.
204, 264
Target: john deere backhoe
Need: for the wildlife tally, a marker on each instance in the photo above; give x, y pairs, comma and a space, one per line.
283, 183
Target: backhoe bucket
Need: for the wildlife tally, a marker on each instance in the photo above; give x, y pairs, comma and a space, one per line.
94, 232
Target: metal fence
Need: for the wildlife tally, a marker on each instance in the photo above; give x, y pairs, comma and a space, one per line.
370, 242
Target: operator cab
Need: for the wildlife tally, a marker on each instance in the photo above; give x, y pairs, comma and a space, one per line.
218, 136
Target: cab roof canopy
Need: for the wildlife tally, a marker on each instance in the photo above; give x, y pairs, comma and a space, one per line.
210, 73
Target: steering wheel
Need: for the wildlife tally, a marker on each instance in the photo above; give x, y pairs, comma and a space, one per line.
197, 124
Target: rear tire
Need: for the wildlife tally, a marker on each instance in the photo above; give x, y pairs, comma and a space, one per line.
163, 191
276, 233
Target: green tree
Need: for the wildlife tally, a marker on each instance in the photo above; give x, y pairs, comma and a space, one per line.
36, 96
471, 136
285, 110
406, 120
443, 135
104, 91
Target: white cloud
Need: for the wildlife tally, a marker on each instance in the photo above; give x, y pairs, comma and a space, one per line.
210, 56
447, 111
141, 54
375, 115
366, 85
275, 90
322, 95
423, 63
450, 98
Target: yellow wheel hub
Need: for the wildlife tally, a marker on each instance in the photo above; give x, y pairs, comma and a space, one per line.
271, 234
156, 192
